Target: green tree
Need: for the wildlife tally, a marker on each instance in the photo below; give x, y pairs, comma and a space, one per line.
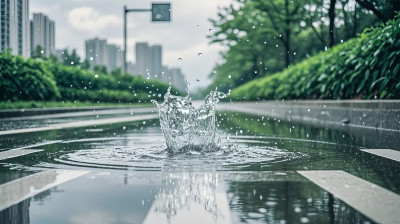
39, 53
100, 69
266, 36
72, 59
53, 58
85, 64
116, 72
383, 9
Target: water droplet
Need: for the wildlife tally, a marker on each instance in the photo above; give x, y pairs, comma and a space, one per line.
199, 54
124, 127
277, 45
198, 26
179, 59
229, 76
96, 76
326, 48
42, 51
72, 63
294, 53
91, 58
210, 30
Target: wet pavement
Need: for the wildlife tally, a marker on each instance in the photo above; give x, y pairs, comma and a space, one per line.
252, 178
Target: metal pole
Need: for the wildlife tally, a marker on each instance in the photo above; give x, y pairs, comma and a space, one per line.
125, 48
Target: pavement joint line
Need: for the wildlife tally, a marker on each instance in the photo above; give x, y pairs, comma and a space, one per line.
82, 114
375, 202
78, 124
386, 153
23, 188
8, 154
38, 144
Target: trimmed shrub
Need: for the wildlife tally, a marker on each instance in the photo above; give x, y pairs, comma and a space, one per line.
30, 79
25, 79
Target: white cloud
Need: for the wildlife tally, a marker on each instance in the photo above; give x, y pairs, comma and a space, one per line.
89, 20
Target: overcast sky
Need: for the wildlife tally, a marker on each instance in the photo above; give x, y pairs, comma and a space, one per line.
78, 20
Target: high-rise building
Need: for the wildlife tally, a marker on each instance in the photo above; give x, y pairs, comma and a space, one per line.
96, 52
14, 26
142, 58
177, 78
155, 60
43, 34
115, 57
174, 76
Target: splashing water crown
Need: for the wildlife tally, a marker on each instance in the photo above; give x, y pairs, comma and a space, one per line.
186, 127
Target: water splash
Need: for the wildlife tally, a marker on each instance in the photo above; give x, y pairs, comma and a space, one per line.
185, 127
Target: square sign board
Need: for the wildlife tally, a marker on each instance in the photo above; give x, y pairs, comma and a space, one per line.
161, 12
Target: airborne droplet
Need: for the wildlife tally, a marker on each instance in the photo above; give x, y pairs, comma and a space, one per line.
179, 59
200, 54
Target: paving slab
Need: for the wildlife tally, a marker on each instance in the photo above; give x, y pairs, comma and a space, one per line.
16, 153
386, 153
375, 202
77, 124
18, 190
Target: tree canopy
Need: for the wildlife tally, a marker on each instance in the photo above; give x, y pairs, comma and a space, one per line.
265, 36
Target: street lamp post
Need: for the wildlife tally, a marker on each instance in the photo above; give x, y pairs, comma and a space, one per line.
161, 12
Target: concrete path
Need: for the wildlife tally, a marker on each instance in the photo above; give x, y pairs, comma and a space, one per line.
16, 152
375, 202
84, 113
386, 153
77, 124
18, 190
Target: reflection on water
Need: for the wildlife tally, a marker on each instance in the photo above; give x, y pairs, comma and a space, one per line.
200, 195
287, 202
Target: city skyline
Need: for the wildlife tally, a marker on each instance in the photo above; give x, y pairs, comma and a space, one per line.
42, 33
14, 27
184, 37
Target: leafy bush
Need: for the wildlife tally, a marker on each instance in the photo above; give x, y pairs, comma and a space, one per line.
105, 95
365, 67
100, 87
22, 79
29, 79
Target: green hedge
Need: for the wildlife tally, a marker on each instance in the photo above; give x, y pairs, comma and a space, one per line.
105, 95
25, 79
30, 79
366, 67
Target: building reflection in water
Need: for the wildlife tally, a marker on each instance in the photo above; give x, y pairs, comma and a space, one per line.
201, 196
